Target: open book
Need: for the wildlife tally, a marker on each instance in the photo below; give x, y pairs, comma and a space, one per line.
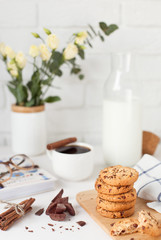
26, 183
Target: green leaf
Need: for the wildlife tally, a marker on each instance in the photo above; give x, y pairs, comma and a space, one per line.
58, 72
22, 94
35, 85
56, 61
101, 37
81, 53
90, 35
92, 29
52, 99
30, 103
108, 29
13, 91
75, 70
47, 81
47, 31
81, 76
89, 43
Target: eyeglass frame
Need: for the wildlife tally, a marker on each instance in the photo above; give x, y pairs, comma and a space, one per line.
9, 162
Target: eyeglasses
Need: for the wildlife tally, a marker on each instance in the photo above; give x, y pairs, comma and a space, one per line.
19, 162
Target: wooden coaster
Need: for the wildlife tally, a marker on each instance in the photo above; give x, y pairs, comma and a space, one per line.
150, 142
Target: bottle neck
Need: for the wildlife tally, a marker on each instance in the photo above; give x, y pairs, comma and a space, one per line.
121, 62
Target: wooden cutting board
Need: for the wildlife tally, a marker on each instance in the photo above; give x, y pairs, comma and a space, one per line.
87, 200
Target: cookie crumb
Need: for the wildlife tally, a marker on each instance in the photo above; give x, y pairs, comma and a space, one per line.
53, 229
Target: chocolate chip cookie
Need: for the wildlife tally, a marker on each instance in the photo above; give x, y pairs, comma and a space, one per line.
119, 175
125, 226
124, 197
103, 188
117, 214
148, 224
114, 206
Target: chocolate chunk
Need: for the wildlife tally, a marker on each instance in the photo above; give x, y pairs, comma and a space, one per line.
135, 225
39, 212
99, 185
81, 223
70, 209
57, 217
59, 195
62, 200
131, 238
112, 224
124, 197
51, 208
143, 227
123, 231
110, 190
60, 208
26, 228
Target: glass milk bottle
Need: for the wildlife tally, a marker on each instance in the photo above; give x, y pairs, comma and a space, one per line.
122, 114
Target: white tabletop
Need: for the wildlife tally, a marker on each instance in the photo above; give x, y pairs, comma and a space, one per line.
90, 231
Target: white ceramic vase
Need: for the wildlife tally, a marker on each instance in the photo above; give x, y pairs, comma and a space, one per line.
28, 126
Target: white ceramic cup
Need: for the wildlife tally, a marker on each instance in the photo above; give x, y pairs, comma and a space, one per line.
72, 167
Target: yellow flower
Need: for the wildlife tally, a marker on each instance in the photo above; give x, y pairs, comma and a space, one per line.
2, 49
34, 51
81, 37
44, 52
12, 68
70, 52
52, 41
21, 60
9, 52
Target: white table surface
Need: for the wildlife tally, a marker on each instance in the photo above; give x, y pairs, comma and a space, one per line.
90, 231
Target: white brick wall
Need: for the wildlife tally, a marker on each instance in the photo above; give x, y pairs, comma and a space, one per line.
79, 112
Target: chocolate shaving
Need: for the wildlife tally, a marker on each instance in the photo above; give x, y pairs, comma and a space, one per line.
59, 195
51, 225
70, 209
40, 212
57, 216
81, 223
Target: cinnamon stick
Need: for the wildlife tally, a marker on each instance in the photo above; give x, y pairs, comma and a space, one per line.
4, 228
61, 143
10, 216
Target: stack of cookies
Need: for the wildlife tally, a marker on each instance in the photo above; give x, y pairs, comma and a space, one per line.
116, 195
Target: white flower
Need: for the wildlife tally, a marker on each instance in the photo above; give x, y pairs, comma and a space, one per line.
12, 68
2, 49
34, 51
21, 60
44, 52
52, 41
9, 52
70, 52
81, 37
